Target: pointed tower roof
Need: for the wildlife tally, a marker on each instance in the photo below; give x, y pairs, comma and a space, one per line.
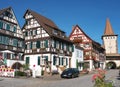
108, 28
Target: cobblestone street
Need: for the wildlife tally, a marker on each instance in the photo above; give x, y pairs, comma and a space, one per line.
56, 81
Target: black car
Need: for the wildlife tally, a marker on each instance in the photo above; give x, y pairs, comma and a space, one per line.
70, 73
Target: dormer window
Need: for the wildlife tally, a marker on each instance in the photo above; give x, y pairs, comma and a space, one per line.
55, 32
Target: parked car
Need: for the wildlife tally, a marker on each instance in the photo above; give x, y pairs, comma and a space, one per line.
70, 73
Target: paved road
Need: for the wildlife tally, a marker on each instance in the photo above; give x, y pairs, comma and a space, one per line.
56, 81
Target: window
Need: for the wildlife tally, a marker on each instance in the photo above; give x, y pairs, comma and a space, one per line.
56, 60
57, 44
42, 44
34, 32
44, 60
27, 60
55, 32
34, 45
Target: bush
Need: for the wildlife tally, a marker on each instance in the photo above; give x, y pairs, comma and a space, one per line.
19, 73
42, 72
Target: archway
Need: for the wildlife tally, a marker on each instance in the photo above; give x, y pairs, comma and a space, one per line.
16, 65
111, 65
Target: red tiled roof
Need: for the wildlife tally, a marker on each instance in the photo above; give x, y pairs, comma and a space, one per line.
108, 28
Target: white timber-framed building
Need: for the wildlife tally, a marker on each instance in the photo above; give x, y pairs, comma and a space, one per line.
46, 46
11, 40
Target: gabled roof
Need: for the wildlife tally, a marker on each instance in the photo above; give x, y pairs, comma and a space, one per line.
108, 28
3, 10
93, 42
47, 24
81, 31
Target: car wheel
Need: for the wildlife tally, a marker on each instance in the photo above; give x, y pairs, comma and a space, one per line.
72, 76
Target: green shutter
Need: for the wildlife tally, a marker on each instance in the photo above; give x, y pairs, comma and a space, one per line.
27, 60
38, 60
36, 32
38, 44
59, 60
46, 43
62, 60
8, 27
54, 60
14, 29
66, 61
31, 32
1, 24
26, 33
31, 45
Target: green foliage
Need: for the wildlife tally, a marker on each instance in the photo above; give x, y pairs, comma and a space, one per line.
19, 73
42, 72
25, 66
100, 81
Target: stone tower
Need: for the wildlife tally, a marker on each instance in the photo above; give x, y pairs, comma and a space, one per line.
110, 39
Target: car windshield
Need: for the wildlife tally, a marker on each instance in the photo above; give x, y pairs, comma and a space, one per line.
68, 70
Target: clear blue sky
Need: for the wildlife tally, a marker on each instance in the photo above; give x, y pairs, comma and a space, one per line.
90, 15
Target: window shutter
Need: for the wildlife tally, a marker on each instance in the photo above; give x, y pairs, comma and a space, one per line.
62, 60
38, 44
46, 43
1, 24
66, 61
27, 60
59, 60
8, 27
72, 48
31, 33
38, 60
36, 32
26, 33
54, 60
14, 29
31, 45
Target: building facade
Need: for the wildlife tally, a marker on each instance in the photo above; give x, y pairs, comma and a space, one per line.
11, 40
94, 56
46, 46
110, 43
77, 60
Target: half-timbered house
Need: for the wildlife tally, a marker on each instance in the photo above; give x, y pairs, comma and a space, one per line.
46, 46
11, 40
94, 56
